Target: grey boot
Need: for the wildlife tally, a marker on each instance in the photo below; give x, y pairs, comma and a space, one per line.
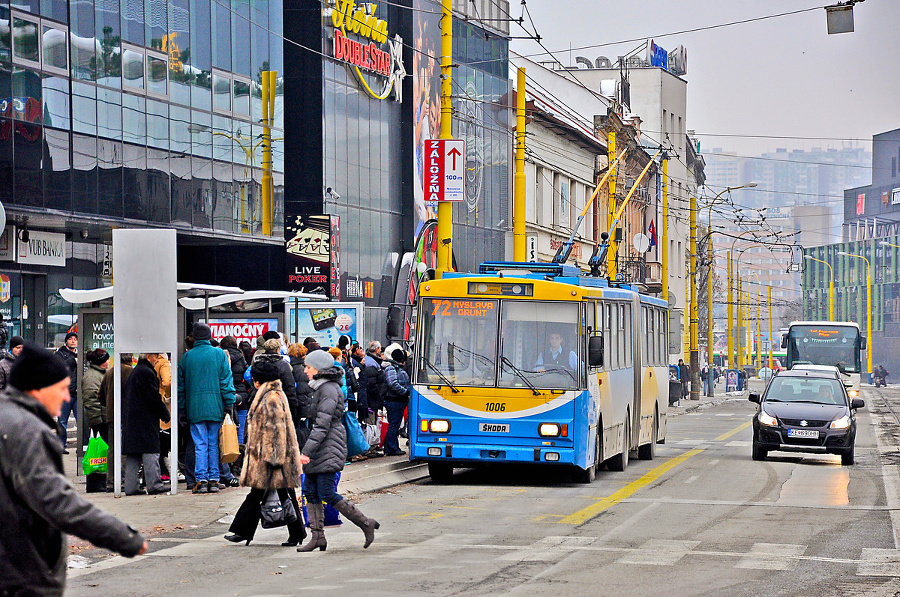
352, 513
316, 527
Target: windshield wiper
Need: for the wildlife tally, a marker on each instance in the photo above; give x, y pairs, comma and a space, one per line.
520, 374
441, 375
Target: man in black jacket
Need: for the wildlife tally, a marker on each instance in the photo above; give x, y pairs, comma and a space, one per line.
142, 410
69, 357
37, 503
374, 373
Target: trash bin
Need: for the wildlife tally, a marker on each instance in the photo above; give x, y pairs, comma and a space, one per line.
674, 391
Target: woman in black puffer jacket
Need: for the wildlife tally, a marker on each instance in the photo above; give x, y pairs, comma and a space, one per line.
325, 452
297, 352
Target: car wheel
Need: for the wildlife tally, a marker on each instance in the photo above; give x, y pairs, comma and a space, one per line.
440, 472
848, 457
759, 453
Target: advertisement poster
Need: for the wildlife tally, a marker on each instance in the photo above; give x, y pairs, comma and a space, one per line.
312, 260
731, 380
326, 322
243, 328
96, 330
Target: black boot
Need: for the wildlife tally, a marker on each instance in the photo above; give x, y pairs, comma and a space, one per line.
352, 513
316, 527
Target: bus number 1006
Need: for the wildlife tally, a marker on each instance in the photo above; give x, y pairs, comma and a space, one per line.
495, 407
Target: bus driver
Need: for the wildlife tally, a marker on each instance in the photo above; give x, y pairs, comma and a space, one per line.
555, 356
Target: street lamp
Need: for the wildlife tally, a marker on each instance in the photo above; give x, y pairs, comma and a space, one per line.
830, 285
868, 309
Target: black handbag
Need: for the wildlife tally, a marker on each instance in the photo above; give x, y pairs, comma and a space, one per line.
273, 512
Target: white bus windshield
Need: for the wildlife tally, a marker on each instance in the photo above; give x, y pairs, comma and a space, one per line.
541, 345
833, 345
460, 342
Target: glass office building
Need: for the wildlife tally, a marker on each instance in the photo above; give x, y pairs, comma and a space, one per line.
135, 113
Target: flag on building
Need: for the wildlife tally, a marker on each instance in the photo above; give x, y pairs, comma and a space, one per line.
651, 229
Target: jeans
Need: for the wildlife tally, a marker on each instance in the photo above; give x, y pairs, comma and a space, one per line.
225, 474
320, 487
395, 418
242, 425
206, 449
70, 407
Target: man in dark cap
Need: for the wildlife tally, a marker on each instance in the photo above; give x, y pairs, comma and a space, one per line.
7, 358
67, 352
37, 503
396, 398
205, 390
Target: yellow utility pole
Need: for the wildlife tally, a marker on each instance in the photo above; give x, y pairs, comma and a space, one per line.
445, 208
830, 286
739, 360
612, 254
758, 334
771, 360
710, 277
665, 230
519, 239
269, 84
869, 342
730, 301
695, 310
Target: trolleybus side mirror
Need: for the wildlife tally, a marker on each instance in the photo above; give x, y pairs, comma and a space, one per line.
395, 322
784, 340
863, 343
857, 403
595, 351
754, 397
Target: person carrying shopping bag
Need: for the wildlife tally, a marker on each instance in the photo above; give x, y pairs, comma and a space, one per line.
325, 452
272, 457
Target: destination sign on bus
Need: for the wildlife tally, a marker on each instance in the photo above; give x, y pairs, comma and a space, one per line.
501, 288
827, 334
462, 308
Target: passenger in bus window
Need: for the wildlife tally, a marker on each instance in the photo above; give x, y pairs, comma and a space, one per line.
555, 356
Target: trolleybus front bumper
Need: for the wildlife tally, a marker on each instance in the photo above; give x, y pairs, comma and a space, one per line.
463, 453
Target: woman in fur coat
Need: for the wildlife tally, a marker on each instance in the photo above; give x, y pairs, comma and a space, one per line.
272, 459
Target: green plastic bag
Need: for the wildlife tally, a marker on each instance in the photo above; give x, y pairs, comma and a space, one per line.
94, 460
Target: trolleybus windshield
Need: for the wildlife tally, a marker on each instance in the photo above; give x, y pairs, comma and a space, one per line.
540, 345
460, 341
824, 345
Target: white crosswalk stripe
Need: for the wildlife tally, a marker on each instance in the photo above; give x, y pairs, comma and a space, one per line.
548, 549
879, 562
437, 547
772, 556
659, 552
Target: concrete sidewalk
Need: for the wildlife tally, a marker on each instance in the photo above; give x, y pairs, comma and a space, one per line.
688, 405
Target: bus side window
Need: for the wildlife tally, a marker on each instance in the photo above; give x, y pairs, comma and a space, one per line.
628, 351
622, 333
664, 331
609, 348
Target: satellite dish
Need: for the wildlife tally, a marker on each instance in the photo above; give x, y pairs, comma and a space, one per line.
641, 242
671, 299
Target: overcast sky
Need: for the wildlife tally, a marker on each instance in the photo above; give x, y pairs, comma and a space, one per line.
783, 76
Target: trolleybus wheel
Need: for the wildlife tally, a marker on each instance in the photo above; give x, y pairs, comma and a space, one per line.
440, 472
620, 461
590, 473
648, 451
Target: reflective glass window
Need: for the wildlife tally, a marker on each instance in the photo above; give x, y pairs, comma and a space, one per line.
109, 56
222, 208
157, 74
155, 23
133, 18
158, 208
5, 40
54, 9
240, 34
179, 129
55, 92
259, 51
241, 105
202, 194
57, 170
242, 7
221, 92
84, 108
55, 49
84, 173
201, 133
134, 182
6, 160
26, 95
82, 40
178, 46
201, 56
222, 144
221, 36
134, 119
109, 177
27, 153
26, 40
109, 113
157, 124
133, 67
182, 192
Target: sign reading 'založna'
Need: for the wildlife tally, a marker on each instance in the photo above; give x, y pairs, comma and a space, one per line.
445, 163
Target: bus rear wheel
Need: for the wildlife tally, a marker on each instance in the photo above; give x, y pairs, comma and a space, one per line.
619, 462
440, 472
648, 451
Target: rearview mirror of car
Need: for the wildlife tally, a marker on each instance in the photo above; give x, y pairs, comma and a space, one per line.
754, 397
857, 403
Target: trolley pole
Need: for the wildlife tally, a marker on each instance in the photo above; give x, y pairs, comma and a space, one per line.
519, 240
758, 334
695, 311
771, 360
730, 301
665, 242
445, 208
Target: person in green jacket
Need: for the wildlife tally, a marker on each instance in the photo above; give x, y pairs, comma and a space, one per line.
205, 390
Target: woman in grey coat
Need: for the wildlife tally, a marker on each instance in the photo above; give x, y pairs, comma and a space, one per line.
325, 452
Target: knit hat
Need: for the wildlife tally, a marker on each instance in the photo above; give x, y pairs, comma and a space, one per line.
263, 371
70, 335
319, 360
271, 334
398, 356
344, 341
16, 341
272, 345
36, 368
201, 331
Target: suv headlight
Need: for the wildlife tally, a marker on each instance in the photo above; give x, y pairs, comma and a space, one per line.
841, 423
767, 419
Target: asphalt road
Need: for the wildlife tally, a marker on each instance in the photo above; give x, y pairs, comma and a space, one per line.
700, 519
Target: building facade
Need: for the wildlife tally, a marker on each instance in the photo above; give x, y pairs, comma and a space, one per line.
873, 211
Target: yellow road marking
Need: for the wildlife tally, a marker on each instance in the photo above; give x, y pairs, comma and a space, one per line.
737, 429
602, 504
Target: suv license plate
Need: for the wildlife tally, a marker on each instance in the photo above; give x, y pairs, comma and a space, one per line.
803, 433
493, 428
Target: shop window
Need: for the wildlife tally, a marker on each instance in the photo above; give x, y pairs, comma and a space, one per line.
133, 76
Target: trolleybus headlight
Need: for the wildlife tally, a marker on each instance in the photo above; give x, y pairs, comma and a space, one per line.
439, 426
853, 393
551, 457
841, 423
767, 419
434, 451
548, 430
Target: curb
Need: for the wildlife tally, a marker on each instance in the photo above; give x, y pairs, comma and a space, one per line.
375, 476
